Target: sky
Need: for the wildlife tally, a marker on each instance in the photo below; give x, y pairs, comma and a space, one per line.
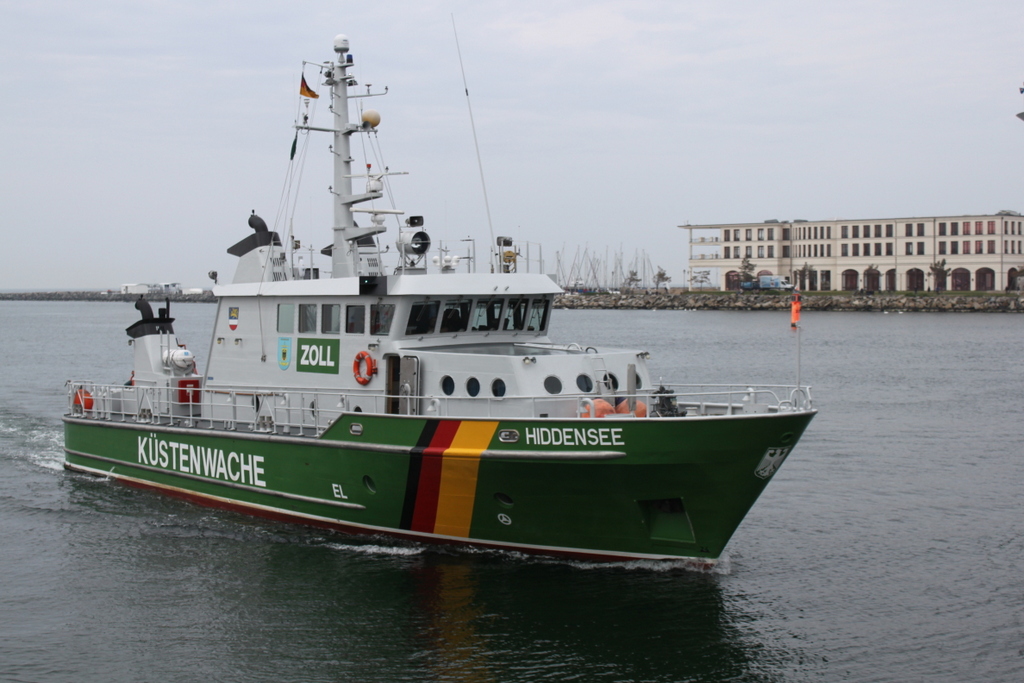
138, 137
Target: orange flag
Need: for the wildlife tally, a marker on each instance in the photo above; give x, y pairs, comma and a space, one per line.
306, 91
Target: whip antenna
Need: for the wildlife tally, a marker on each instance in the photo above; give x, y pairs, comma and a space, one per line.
476, 144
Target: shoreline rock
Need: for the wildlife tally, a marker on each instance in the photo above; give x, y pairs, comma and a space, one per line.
669, 301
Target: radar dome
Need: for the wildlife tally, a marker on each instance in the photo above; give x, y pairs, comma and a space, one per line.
371, 117
341, 43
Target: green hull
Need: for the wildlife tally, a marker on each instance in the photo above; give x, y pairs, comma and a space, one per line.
601, 489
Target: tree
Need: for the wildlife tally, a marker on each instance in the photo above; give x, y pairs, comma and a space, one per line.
632, 281
939, 274
746, 270
803, 275
700, 278
661, 277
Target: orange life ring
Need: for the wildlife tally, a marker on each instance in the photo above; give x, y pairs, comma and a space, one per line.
357, 367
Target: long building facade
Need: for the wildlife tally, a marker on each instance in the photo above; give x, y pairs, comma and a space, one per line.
981, 252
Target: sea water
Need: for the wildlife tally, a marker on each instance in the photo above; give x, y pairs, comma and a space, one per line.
889, 547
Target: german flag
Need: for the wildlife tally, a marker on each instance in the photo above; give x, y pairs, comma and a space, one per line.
306, 91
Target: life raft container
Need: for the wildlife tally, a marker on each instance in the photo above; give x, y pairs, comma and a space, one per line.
357, 367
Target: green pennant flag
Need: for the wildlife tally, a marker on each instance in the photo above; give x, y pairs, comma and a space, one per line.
295, 143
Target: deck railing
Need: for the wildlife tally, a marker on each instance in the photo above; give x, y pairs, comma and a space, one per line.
308, 412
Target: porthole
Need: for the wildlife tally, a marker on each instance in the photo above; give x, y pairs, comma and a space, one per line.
447, 385
503, 500
612, 380
585, 383
639, 382
472, 386
498, 387
369, 484
553, 384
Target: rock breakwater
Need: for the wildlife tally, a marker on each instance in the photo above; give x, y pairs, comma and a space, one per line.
718, 301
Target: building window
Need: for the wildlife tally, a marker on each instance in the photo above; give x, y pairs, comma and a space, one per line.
760, 251
878, 231
771, 234
977, 227
749, 234
828, 232
828, 251
942, 229
856, 250
920, 229
967, 247
728, 250
954, 229
856, 231
844, 250
728, 236
954, 247
736, 235
785, 234
888, 248
785, 251
991, 246
967, 227
771, 251
942, 248
760, 234
867, 250
977, 247
888, 230
991, 227
750, 252
845, 232
878, 245
920, 248
910, 229
910, 249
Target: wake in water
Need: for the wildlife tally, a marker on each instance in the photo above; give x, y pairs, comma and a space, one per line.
32, 440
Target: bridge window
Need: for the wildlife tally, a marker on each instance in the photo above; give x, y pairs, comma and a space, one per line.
515, 314
381, 316
422, 317
286, 318
307, 318
355, 319
455, 317
538, 315
487, 315
330, 318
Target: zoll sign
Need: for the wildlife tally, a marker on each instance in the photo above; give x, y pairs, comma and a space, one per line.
318, 355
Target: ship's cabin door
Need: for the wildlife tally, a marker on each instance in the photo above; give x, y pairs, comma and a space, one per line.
403, 385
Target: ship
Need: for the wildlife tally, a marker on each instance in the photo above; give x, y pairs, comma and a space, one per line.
421, 398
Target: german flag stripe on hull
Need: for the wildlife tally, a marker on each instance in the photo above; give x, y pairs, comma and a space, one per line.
441, 487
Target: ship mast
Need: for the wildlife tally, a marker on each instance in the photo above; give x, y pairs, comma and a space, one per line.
345, 253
